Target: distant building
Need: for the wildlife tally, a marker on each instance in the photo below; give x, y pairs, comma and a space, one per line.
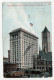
8, 67
48, 57
9, 56
5, 59
46, 40
46, 50
39, 63
23, 46
43, 61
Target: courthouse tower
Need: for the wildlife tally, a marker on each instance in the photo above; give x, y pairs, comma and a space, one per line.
46, 40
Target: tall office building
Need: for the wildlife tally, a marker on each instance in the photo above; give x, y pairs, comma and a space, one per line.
46, 40
23, 46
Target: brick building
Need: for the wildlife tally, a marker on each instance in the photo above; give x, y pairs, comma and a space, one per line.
8, 67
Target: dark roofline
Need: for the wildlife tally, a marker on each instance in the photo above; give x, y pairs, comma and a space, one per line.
5, 57
21, 29
45, 29
9, 63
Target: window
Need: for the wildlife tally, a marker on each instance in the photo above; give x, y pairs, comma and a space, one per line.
17, 59
17, 54
42, 67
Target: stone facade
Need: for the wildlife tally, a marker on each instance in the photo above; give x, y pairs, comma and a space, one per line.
39, 63
5, 59
23, 46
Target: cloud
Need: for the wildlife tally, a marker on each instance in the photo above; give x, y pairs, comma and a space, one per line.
19, 17
14, 15
13, 18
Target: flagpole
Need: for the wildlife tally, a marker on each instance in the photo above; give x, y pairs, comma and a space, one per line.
31, 24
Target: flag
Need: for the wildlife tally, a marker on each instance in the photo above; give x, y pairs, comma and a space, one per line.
31, 24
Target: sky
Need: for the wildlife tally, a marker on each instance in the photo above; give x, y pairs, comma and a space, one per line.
20, 15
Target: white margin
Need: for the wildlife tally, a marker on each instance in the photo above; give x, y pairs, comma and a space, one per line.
1, 41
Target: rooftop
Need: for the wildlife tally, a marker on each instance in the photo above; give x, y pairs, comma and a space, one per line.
21, 29
47, 56
45, 30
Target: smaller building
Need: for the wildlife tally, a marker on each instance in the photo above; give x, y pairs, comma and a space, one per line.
48, 57
39, 63
8, 67
5, 59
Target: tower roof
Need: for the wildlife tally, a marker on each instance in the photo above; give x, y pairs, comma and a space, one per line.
45, 30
